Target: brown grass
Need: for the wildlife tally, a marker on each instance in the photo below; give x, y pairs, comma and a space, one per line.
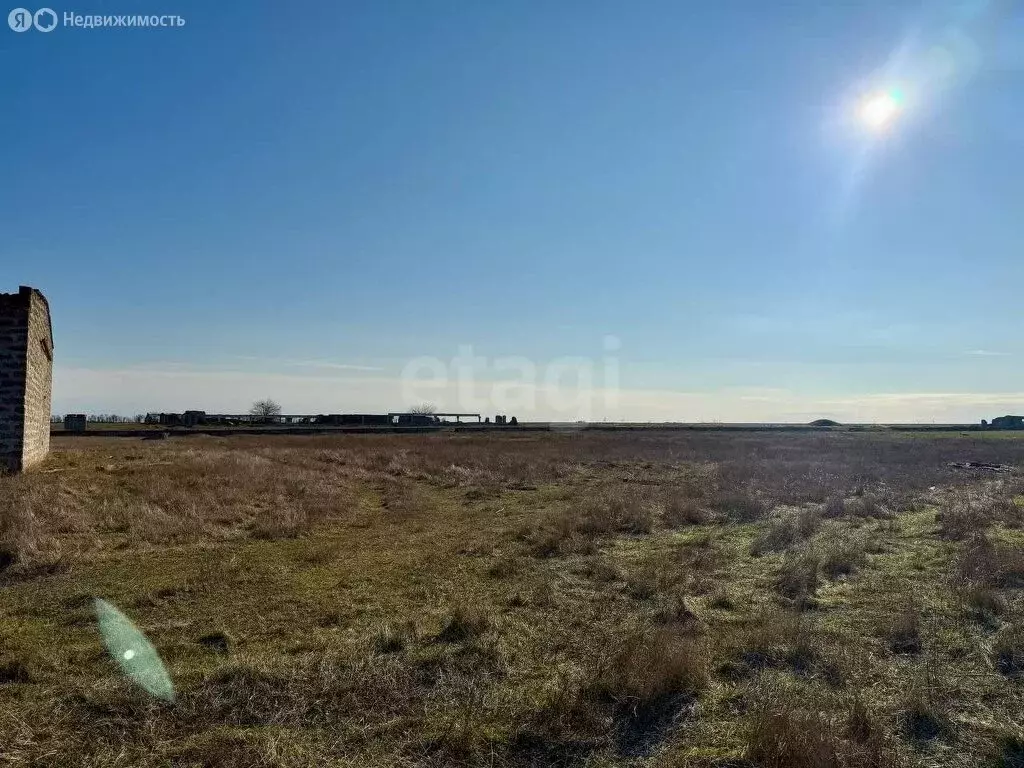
741, 504
680, 510
1008, 650
964, 514
984, 604
615, 510
924, 715
516, 600
784, 733
842, 552
992, 563
797, 577
464, 624
864, 505
903, 629
783, 533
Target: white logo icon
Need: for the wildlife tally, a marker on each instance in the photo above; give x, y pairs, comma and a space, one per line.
45, 20
20, 20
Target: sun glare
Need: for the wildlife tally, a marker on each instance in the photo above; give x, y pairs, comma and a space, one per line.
878, 110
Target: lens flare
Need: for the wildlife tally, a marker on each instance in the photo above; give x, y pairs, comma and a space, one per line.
879, 110
134, 654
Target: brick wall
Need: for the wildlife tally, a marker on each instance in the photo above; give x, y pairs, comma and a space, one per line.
26, 371
38, 383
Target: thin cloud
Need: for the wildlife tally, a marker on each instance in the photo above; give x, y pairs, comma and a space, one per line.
331, 364
987, 353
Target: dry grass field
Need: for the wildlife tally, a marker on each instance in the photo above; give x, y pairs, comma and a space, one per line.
582, 599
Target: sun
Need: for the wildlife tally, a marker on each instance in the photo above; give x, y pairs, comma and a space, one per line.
879, 110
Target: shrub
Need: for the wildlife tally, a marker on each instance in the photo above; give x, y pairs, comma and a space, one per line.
984, 604
923, 716
779, 535
903, 629
651, 668
402, 498
895, 499
1008, 650
602, 570
783, 733
783, 736
464, 624
842, 553
776, 639
864, 728
994, 564
613, 510
505, 566
1009, 512
390, 639
673, 610
637, 691
867, 505
786, 531
550, 537
808, 521
962, 515
280, 523
741, 505
834, 506
680, 510
647, 579
797, 577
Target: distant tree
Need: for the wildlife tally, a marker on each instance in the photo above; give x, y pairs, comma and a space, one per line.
424, 409
265, 409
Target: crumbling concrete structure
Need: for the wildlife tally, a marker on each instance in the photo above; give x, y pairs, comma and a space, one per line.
26, 378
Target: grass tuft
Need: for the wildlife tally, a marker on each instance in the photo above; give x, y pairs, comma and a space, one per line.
1008, 650
797, 577
903, 629
463, 625
615, 510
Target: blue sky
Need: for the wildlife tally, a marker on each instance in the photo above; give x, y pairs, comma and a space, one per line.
303, 202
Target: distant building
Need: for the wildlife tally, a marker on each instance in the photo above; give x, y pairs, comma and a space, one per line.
74, 422
193, 418
1007, 422
414, 419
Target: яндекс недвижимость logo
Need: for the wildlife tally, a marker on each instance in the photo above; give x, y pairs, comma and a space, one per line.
22, 20
46, 20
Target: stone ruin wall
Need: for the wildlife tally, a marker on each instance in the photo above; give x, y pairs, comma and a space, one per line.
26, 377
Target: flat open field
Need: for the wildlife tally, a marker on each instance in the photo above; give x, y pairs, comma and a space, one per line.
578, 599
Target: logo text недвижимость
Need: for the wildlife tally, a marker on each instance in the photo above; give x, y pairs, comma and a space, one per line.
47, 20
